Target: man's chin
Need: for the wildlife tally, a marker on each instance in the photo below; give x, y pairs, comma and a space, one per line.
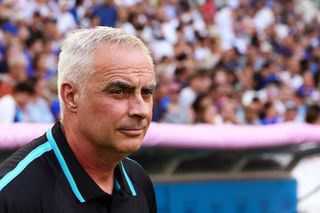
129, 146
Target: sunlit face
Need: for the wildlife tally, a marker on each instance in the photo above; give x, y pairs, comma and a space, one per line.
115, 110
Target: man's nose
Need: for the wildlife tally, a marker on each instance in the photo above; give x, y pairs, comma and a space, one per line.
138, 107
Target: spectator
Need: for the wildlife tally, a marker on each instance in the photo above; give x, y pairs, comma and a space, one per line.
65, 20
199, 83
174, 113
313, 115
160, 97
17, 72
205, 111
308, 89
270, 114
13, 106
38, 107
291, 113
228, 110
251, 115
106, 14
208, 12
265, 76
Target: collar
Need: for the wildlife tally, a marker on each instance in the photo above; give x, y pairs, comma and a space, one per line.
82, 185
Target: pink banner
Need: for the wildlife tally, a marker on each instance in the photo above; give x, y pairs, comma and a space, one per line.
13, 136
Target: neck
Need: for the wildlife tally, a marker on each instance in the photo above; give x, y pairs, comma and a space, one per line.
98, 162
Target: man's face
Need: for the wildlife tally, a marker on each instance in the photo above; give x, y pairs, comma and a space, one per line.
115, 108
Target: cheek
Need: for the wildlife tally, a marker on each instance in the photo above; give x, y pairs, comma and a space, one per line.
106, 110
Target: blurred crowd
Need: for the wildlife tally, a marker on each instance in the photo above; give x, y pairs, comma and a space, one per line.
217, 61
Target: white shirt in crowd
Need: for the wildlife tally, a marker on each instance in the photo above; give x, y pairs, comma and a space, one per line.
7, 109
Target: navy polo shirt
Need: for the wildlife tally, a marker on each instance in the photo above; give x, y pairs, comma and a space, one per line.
45, 176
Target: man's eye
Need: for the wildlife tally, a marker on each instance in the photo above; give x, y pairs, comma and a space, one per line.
118, 92
147, 92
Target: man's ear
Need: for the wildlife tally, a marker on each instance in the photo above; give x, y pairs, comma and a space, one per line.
70, 96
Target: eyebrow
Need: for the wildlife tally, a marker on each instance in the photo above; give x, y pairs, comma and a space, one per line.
151, 87
119, 84
124, 85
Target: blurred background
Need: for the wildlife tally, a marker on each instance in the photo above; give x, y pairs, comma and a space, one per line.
218, 62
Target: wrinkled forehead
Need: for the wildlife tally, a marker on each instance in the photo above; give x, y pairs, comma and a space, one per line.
122, 56
129, 65
123, 48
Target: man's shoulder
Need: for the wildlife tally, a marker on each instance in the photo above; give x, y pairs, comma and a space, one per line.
137, 173
133, 166
23, 165
25, 181
142, 180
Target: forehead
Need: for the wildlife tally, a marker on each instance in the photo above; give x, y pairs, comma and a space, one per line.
123, 64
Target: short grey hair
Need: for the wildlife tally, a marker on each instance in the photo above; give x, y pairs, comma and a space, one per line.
77, 52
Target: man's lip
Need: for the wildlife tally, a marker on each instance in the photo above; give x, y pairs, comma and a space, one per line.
132, 132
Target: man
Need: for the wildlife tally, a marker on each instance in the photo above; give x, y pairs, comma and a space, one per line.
105, 82
13, 106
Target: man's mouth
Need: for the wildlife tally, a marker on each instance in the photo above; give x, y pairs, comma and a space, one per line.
132, 132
